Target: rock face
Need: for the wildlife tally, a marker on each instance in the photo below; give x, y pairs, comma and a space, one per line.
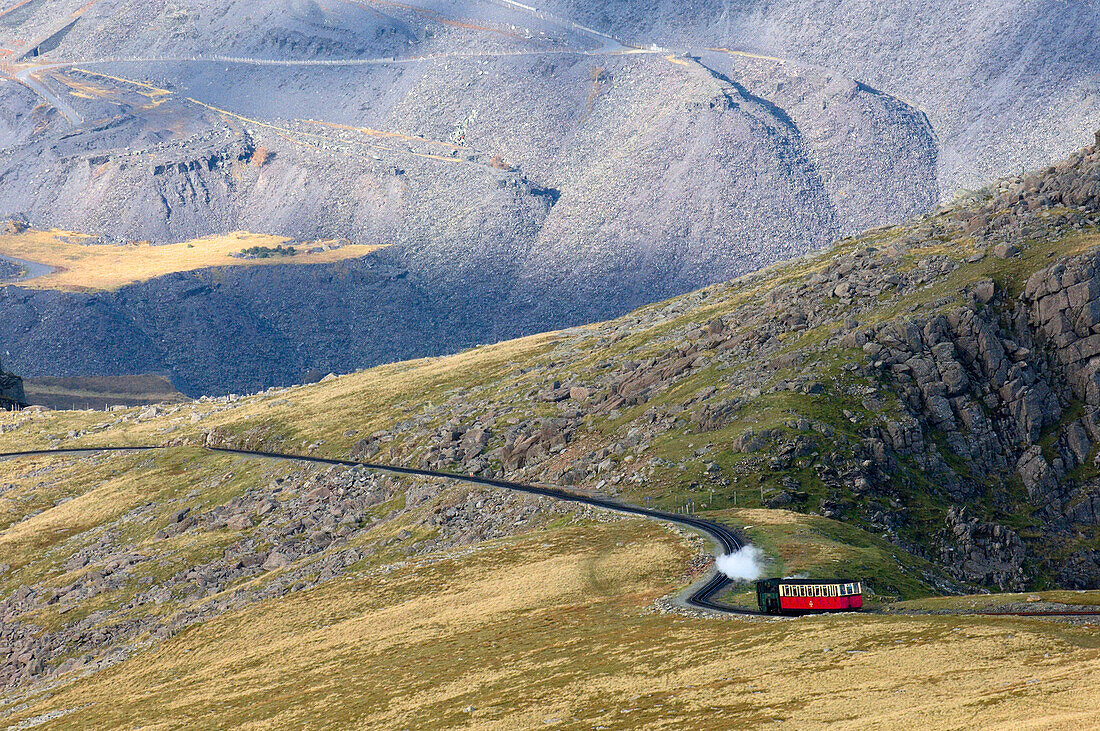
990, 554
11, 391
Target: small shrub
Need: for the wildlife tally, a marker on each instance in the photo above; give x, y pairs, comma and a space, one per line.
266, 252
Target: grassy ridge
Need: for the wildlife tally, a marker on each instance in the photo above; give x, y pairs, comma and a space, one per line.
83, 267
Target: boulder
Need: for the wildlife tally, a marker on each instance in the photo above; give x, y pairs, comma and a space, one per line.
580, 393
239, 522
984, 291
276, 560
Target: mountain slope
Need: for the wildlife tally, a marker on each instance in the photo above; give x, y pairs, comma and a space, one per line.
931, 382
1007, 86
546, 173
480, 247
917, 408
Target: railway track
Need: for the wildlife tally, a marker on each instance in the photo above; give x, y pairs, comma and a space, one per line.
702, 597
1089, 613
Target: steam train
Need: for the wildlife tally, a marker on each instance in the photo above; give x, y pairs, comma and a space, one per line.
808, 596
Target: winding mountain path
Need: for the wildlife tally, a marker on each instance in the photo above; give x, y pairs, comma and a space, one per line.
701, 595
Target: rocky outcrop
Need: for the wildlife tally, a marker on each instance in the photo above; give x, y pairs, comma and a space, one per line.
986, 553
11, 391
1064, 303
1065, 192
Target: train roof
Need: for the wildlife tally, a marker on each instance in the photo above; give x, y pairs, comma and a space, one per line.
809, 581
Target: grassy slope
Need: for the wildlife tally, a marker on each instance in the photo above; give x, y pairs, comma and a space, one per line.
81, 268
291, 662
553, 629
330, 418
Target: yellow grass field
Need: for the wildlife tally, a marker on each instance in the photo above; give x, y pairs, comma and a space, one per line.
79, 267
556, 630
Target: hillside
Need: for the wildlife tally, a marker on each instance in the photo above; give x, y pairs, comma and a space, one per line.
1006, 86
945, 361
526, 167
915, 407
471, 139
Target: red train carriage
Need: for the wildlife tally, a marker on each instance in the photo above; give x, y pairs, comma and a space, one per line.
808, 596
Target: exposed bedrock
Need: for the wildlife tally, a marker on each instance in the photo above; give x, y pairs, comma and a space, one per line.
667, 177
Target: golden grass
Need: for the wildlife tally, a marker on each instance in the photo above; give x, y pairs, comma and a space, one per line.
553, 630
99, 495
1087, 600
80, 267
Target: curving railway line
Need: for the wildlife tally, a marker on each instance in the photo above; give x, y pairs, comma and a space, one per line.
702, 597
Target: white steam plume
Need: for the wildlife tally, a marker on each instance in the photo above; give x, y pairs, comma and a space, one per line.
744, 565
